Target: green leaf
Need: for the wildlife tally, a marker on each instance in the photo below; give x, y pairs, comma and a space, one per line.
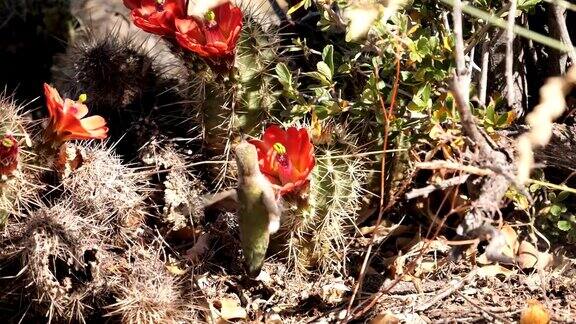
564, 225
318, 76
556, 210
433, 42
305, 3
502, 120
328, 57
325, 70
422, 46
405, 75
284, 76
490, 114
416, 57
426, 93
415, 107
527, 4
345, 68
563, 195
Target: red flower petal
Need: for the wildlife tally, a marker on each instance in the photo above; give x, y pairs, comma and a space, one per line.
93, 123
53, 100
292, 167
67, 122
131, 4
150, 24
156, 18
275, 134
211, 39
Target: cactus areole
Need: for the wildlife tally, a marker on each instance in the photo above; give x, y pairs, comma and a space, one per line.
286, 157
9, 151
68, 121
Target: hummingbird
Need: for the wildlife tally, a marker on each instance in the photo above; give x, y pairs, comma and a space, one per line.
258, 209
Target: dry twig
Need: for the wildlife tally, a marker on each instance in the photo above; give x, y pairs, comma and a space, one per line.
484, 310
476, 223
510, 54
558, 12
387, 114
480, 35
452, 287
425, 191
483, 82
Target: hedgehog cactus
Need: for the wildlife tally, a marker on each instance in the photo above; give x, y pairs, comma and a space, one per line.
17, 181
146, 292
54, 248
13, 130
316, 229
251, 90
111, 70
321, 193
109, 190
138, 90
9, 153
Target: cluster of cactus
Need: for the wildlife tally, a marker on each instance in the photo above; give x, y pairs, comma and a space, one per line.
230, 105
87, 251
182, 200
82, 244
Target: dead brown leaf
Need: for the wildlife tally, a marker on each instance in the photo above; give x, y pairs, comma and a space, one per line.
511, 240
530, 257
228, 308
197, 252
333, 293
175, 269
492, 270
524, 252
423, 263
385, 319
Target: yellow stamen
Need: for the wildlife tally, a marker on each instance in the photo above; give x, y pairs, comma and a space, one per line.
279, 148
82, 98
7, 142
160, 2
210, 15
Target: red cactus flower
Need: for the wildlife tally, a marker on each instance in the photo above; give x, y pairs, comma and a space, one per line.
213, 37
67, 120
9, 152
156, 16
286, 157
